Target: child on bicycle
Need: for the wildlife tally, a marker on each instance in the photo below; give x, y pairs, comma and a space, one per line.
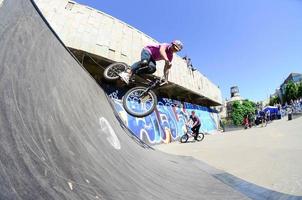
196, 124
149, 55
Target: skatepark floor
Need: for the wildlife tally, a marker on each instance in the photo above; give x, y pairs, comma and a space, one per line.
266, 156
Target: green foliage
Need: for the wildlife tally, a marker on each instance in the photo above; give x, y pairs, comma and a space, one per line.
291, 91
239, 110
237, 113
274, 100
226, 122
299, 95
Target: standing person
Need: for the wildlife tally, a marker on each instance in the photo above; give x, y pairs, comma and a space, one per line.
189, 63
149, 55
251, 118
267, 116
246, 122
262, 114
196, 124
221, 125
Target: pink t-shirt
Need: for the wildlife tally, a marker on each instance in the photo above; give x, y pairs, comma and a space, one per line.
154, 51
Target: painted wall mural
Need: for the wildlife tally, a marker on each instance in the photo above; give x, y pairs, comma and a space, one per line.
167, 122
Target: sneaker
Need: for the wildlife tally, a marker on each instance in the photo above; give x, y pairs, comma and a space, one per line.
125, 77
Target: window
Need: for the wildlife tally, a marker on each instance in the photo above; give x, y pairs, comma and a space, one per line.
297, 78
69, 5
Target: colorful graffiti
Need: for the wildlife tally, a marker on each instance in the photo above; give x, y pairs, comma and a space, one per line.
167, 122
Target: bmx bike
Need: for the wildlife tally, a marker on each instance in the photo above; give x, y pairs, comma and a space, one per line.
189, 133
140, 100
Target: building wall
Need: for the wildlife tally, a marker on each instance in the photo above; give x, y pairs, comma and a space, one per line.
223, 110
294, 77
167, 122
81, 27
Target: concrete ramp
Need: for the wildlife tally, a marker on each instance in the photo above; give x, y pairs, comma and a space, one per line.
59, 136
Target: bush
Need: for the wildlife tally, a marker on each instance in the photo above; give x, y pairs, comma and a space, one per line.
299, 95
274, 100
240, 110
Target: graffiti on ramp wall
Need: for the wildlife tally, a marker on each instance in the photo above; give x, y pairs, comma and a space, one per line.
167, 122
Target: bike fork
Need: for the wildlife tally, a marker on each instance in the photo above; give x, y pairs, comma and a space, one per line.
148, 89
144, 93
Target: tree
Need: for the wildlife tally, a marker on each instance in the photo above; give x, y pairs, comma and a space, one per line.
249, 107
274, 100
299, 95
291, 91
240, 110
237, 113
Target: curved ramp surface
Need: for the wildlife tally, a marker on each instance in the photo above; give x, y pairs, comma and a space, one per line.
60, 138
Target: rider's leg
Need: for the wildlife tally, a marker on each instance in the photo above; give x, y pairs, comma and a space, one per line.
145, 59
196, 131
149, 69
193, 129
152, 67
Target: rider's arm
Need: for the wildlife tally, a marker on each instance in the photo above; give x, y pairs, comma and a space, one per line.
166, 71
168, 64
162, 51
188, 121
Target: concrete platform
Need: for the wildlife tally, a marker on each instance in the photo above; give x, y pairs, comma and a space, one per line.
266, 156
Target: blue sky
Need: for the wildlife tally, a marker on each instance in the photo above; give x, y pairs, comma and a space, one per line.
253, 44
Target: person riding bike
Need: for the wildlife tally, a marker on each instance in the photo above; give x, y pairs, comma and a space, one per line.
149, 55
196, 124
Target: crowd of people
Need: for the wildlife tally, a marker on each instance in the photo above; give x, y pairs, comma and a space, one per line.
189, 63
296, 105
262, 117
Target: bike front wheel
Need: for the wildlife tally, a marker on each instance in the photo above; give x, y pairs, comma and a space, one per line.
138, 104
184, 138
112, 72
200, 137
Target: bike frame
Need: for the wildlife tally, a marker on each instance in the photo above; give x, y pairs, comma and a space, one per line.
189, 132
143, 83
153, 85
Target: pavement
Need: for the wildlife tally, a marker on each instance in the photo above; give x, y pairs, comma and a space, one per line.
266, 156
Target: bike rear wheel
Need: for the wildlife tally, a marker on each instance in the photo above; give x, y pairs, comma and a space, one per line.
137, 105
112, 72
184, 138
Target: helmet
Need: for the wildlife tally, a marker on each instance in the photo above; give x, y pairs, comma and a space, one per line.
178, 44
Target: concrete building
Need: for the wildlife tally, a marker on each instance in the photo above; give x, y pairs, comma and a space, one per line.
280, 92
223, 109
98, 39
87, 31
235, 96
294, 77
